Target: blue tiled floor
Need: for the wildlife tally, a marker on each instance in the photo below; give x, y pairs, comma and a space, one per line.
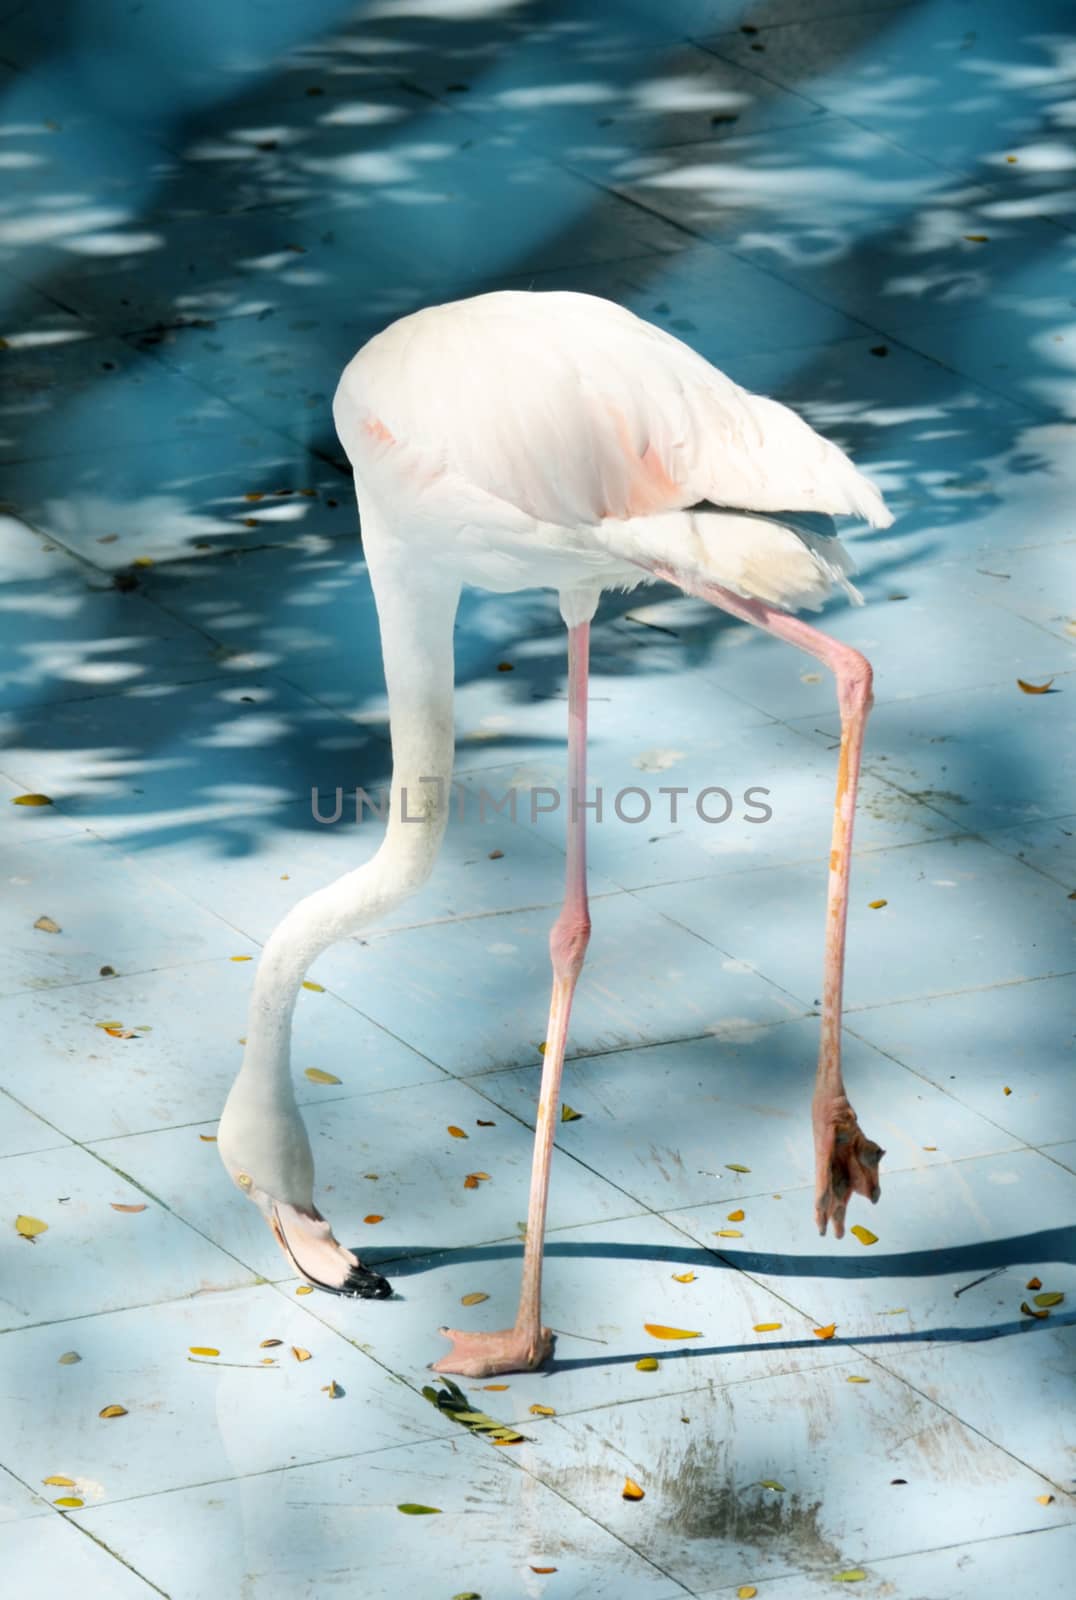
864, 207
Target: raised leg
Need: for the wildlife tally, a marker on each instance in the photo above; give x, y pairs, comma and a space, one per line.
846, 1161
526, 1345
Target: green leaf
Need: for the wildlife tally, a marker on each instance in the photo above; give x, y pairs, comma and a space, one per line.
567, 1114
410, 1509
853, 1575
771, 1483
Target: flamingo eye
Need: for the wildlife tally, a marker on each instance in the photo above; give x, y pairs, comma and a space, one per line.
244, 1180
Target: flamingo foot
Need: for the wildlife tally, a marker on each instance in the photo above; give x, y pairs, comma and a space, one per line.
846, 1162
485, 1355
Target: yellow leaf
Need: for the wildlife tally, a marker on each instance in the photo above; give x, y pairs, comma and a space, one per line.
31, 800
113, 1411
876, 905
568, 1114
30, 1227
316, 1075
254, 495
457, 1133
203, 1350
513, 1438
270, 1344
735, 1216
864, 1235
683, 1277
299, 1353
542, 1411
734, 1166
58, 1481
116, 1206
1034, 688
657, 1330
897, 1311
746, 1591
1029, 1311
373, 1218
409, 1509
1049, 1299
646, 1364
499, 1387
332, 1389
315, 988
855, 1379
631, 1490
304, 1288
208, 1138
241, 958
771, 1483
827, 1332
766, 1327
47, 925
474, 1299
728, 1233
69, 1358
1043, 1499
1006, 1090
142, 561
69, 1502
483, 1177
853, 1575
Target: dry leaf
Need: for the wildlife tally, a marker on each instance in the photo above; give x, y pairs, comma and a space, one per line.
657, 1330
977, 238
771, 1483
69, 1502
683, 1277
241, 958
116, 1206
876, 905
766, 1327
470, 1181
827, 1332
1006, 1090
543, 1569
746, 1591
646, 1364
142, 561
735, 1216
332, 1389
316, 1075
864, 1235
113, 1411
299, 1353
474, 1299
857, 1380
1034, 688
304, 1288
315, 988
254, 495
270, 1344
410, 1509
58, 1481
69, 1358
373, 1217
728, 1233
483, 1124
499, 1387
208, 1138
897, 1311
496, 1438
569, 1114
47, 925
632, 1491
542, 1048
457, 1133
1049, 1299
542, 1411
30, 1227
1033, 1283
734, 1166
31, 800
1043, 1499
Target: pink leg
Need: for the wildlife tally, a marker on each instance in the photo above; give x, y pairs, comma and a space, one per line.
846, 1161
527, 1344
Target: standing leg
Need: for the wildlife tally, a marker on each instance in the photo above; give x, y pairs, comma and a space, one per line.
528, 1343
846, 1161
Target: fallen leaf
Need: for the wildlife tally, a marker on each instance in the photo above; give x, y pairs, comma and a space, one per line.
474, 1299
373, 1218
304, 1288
771, 1483
766, 1327
853, 1575
746, 1591
241, 958
57, 1481
632, 1491
316, 1075
499, 1438
1043, 1499
1049, 1299
876, 905
203, 1350
113, 1411
483, 1177
857, 1380
542, 1411
1006, 1090
657, 1330
299, 1353
483, 1124
734, 1166
69, 1502
116, 1206
470, 1181
142, 561
569, 1114
930, 1147
208, 1138
864, 1235
977, 238
47, 925
69, 1358
332, 1389
31, 800
453, 1403
542, 1048
270, 1344
457, 1133
1029, 1311
1033, 1283
315, 988
119, 1032
683, 1277
728, 1233
827, 1332
897, 1311
410, 1509
1034, 688
647, 1364
30, 1227
543, 1569
254, 495
498, 1386
735, 1216
469, 1594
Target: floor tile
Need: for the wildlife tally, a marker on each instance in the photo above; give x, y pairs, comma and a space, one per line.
710, 1515
22, 824
296, 1532
21, 1132
88, 888
186, 1423
94, 1258
179, 1071
45, 1553
939, 1230
17, 1502
662, 1123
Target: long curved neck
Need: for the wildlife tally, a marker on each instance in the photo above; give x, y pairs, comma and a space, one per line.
416, 612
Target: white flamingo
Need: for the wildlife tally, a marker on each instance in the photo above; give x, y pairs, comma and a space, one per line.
519, 440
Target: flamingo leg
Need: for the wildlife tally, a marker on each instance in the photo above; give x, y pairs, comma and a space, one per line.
527, 1344
846, 1161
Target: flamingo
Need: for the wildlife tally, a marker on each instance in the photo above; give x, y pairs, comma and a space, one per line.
554, 440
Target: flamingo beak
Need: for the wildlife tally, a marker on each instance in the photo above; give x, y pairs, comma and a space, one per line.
308, 1243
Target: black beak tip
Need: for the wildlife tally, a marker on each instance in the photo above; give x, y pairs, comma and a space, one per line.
363, 1284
